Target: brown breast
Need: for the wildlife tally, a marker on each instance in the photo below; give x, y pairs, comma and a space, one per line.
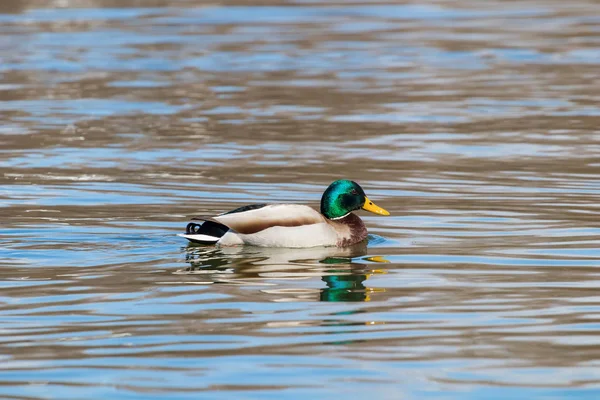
351, 230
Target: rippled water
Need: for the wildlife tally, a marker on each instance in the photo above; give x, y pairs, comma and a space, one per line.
474, 123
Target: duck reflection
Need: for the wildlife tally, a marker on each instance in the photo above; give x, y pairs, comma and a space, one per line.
289, 273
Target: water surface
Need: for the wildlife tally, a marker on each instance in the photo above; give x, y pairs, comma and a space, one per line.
474, 123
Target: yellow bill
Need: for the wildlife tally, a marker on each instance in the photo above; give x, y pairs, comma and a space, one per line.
372, 207
377, 259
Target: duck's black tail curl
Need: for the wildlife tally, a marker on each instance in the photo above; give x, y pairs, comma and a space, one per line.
211, 232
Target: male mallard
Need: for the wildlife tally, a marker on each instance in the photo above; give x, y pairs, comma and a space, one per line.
291, 225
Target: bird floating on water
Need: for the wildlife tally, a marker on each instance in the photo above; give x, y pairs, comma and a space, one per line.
291, 225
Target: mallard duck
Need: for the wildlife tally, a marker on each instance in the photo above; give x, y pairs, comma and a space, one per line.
291, 225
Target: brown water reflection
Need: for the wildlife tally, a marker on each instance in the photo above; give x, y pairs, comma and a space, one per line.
473, 123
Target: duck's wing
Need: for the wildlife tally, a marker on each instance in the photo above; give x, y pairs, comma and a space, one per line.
258, 217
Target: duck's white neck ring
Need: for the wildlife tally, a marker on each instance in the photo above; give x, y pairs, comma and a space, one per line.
343, 216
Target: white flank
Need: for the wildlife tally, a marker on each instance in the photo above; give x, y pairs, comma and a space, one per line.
322, 234
231, 239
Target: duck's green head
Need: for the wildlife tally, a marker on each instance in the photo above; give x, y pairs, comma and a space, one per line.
344, 196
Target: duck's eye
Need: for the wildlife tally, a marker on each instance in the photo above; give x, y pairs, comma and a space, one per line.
354, 192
